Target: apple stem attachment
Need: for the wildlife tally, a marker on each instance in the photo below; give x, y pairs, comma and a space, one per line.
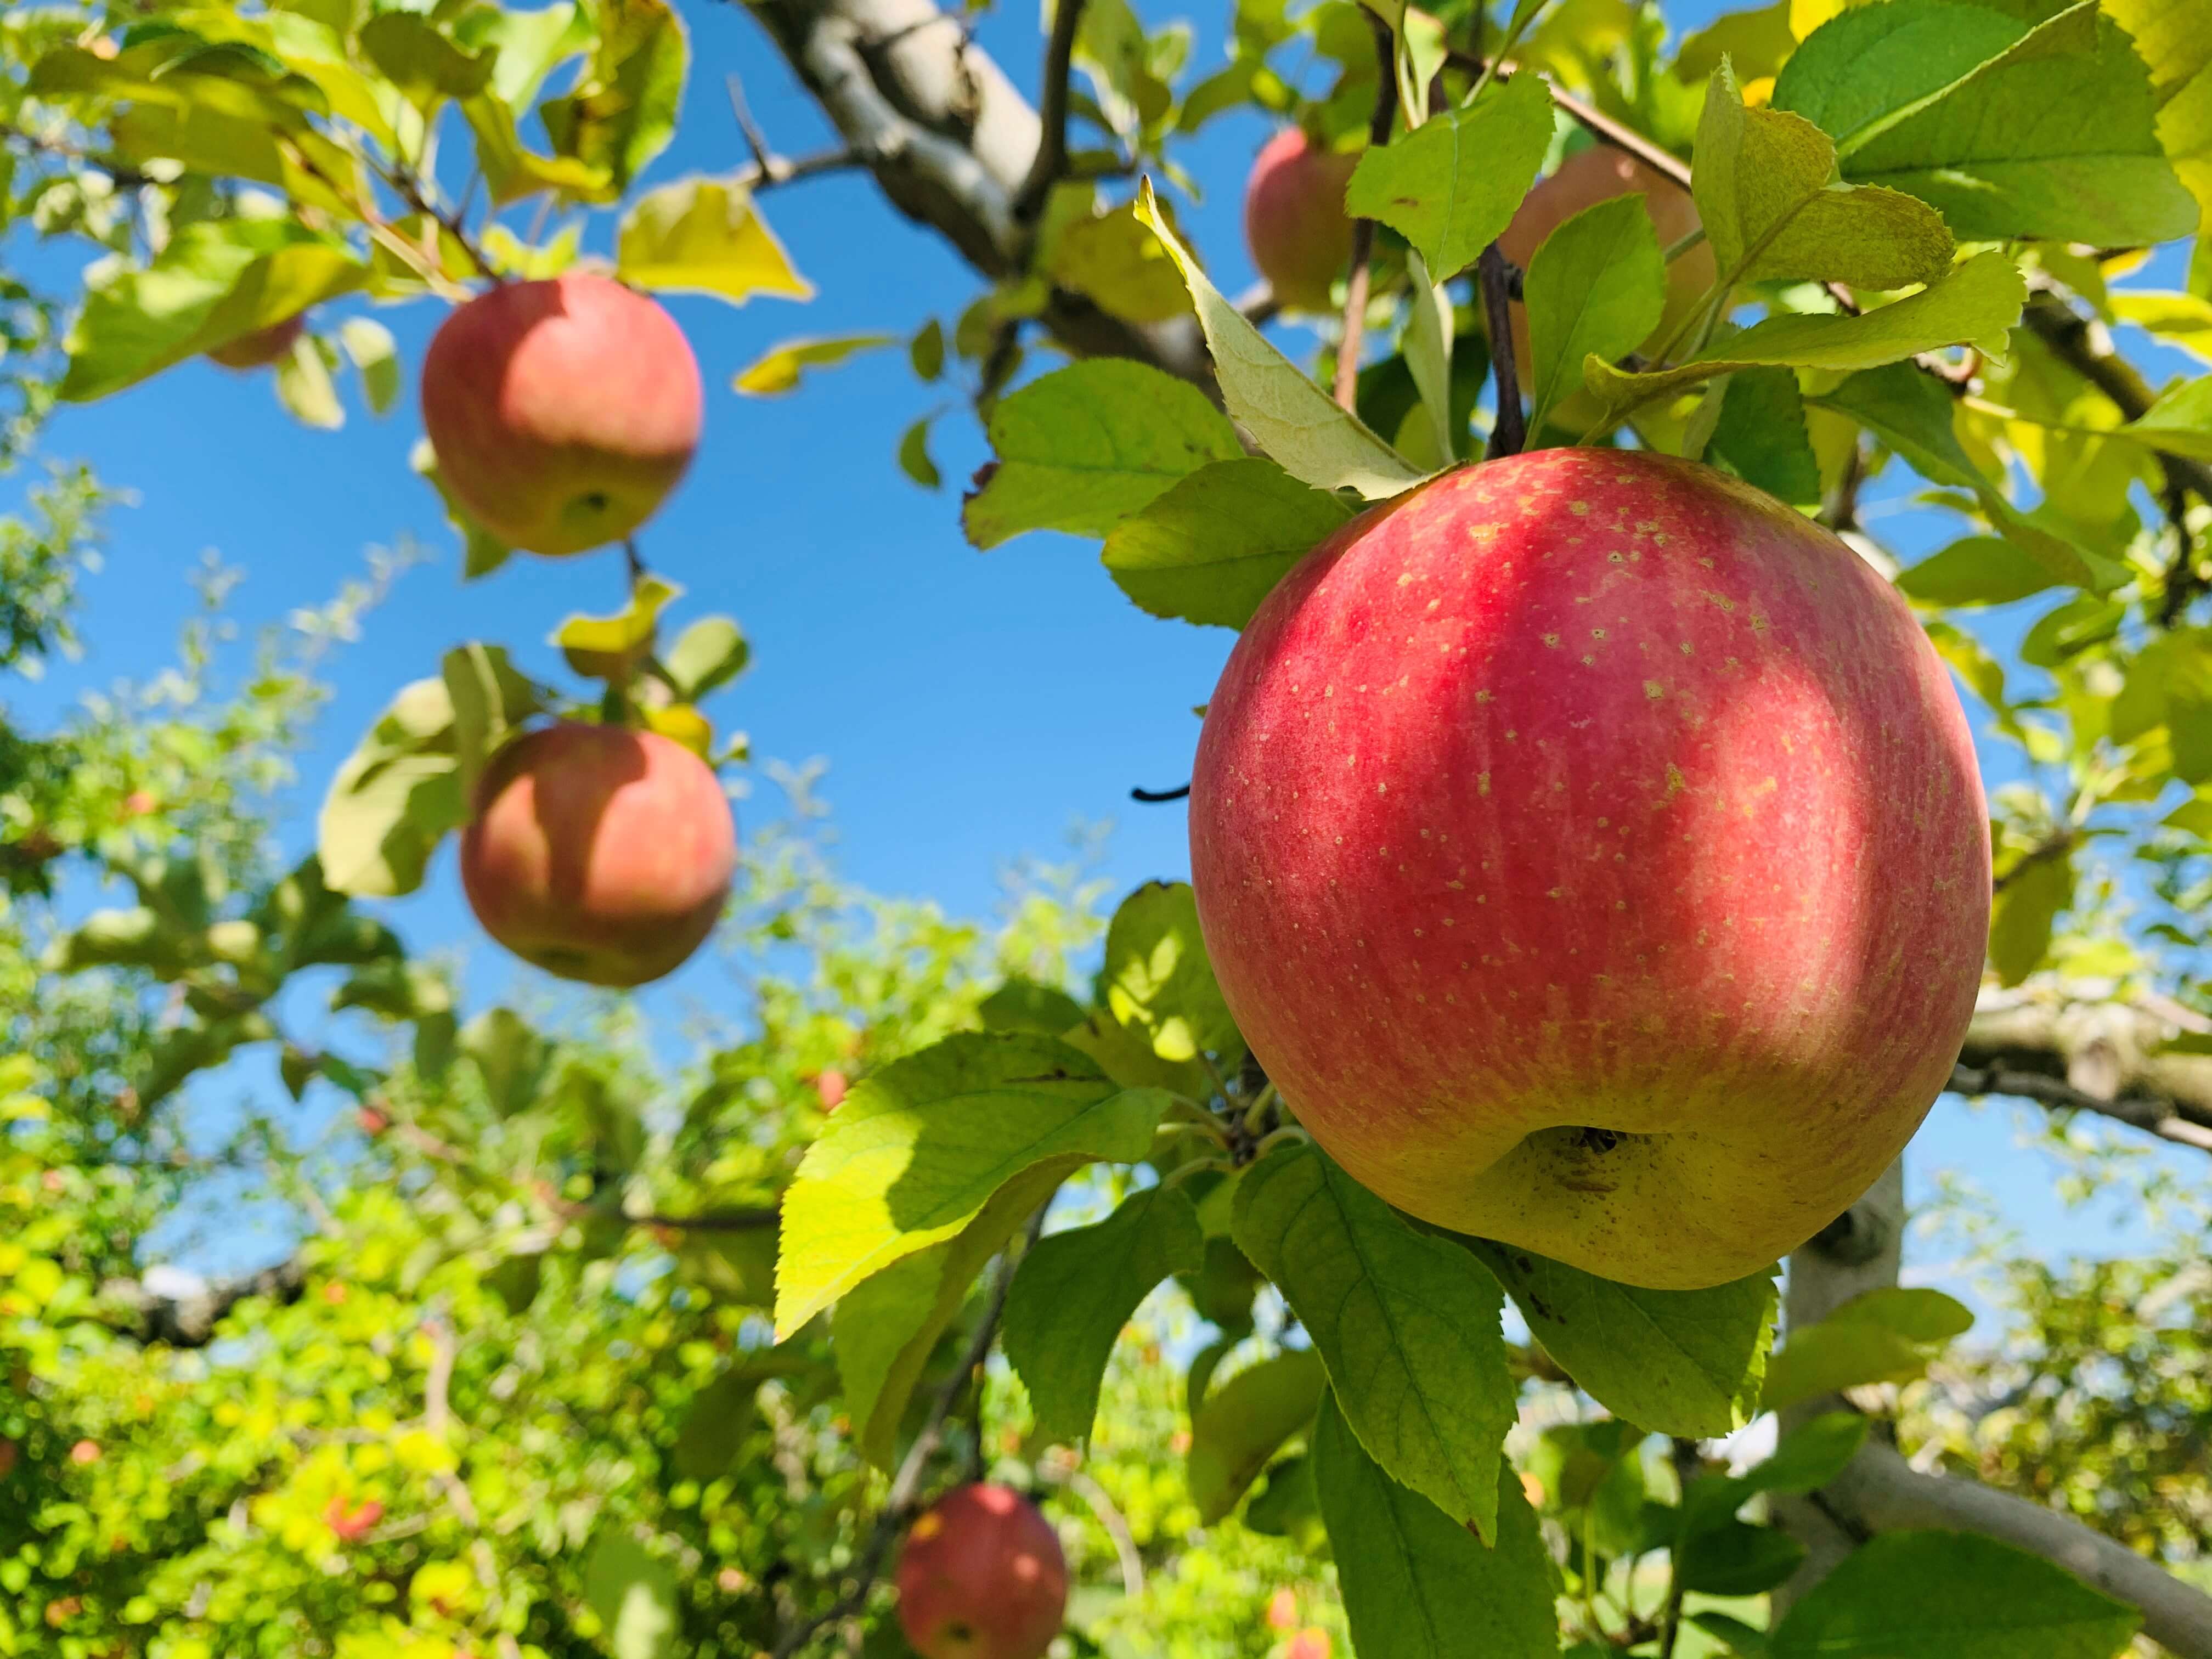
638, 573
1511, 434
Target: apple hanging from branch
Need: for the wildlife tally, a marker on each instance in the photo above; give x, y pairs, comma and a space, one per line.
981, 1577
1295, 224
563, 412
600, 853
1592, 850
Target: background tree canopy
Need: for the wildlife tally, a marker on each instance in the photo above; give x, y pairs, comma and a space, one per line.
601, 1325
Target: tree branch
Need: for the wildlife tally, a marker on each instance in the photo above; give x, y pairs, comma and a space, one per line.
2073, 1046
1510, 433
1052, 145
951, 142
183, 1309
1379, 126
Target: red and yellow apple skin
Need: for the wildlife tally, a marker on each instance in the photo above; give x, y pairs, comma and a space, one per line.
981, 1577
599, 853
1295, 224
563, 412
1593, 852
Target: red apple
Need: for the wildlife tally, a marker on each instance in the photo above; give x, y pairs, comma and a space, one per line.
85, 1454
1294, 219
981, 1577
830, 1088
1592, 850
9, 1453
1283, 1610
563, 412
1308, 1644
261, 348
1583, 180
352, 1523
599, 853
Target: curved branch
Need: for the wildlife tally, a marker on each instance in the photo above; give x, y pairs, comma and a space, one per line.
952, 144
1880, 1491
2047, 1041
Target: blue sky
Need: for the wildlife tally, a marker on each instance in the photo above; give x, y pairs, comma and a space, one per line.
972, 708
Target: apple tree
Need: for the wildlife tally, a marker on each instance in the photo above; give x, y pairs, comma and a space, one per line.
1562, 306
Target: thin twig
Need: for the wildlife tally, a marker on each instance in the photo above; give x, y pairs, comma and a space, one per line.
770, 171
899, 1506
1155, 797
1051, 158
756, 140
2151, 1117
1379, 128
411, 192
1510, 433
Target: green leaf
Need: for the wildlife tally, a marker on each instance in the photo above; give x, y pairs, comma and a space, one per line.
2179, 422
702, 235
715, 1426
926, 350
2180, 319
304, 387
623, 111
1116, 261
1761, 435
1910, 413
1733, 1634
1860, 73
510, 1058
514, 172
2021, 917
1287, 1506
1450, 185
780, 369
426, 66
610, 647
1156, 982
2170, 37
1687, 1363
1978, 304
1952, 1595
635, 1593
1084, 447
136, 937
914, 455
706, 657
1215, 544
1426, 345
393, 798
1886, 1335
1245, 1422
1597, 285
1975, 570
1734, 1559
1294, 421
1408, 1324
1022, 1005
214, 282
489, 700
482, 551
2055, 135
1076, 1290
369, 346
919, 1146
1765, 193
1418, 1585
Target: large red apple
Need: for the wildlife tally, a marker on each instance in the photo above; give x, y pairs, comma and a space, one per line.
981, 1577
599, 853
1592, 850
1583, 180
261, 348
563, 412
1295, 223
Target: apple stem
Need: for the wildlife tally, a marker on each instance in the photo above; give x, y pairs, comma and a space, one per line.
1510, 434
1363, 230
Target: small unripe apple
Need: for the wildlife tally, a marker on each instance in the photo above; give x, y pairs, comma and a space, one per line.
1295, 224
1592, 850
1582, 181
599, 853
562, 411
261, 348
981, 1577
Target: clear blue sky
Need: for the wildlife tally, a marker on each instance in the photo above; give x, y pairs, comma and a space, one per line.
972, 707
